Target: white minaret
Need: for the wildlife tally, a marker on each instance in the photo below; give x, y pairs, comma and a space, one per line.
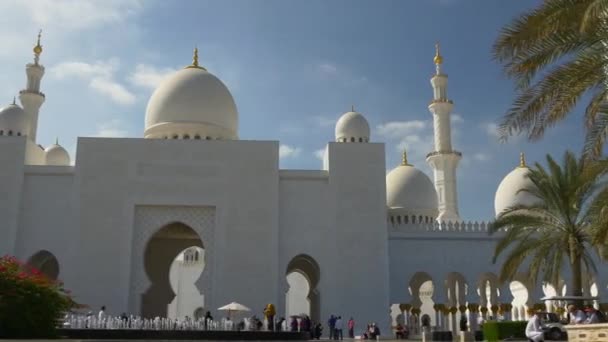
31, 98
443, 159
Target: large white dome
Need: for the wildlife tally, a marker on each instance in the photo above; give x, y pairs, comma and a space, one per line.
508, 194
56, 155
13, 120
352, 127
411, 191
191, 104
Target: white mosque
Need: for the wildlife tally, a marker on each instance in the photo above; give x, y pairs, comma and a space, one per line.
111, 223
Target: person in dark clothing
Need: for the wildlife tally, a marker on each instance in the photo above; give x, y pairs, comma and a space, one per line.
208, 319
332, 326
318, 331
463, 323
294, 324
280, 324
309, 326
376, 332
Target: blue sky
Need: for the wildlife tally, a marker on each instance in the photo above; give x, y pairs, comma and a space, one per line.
293, 67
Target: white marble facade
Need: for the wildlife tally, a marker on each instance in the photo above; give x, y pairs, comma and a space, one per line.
110, 223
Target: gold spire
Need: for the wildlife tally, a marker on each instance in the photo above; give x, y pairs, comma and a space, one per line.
404, 159
522, 160
194, 64
438, 58
38, 47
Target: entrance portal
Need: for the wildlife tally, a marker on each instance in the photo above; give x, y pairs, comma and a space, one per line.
185, 270
303, 276
160, 252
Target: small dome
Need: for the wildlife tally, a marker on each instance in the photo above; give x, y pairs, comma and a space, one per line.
192, 104
56, 155
352, 127
411, 191
13, 120
508, 194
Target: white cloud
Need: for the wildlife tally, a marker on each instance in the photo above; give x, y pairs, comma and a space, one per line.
76, 14
491, 129
400, 129
456, 119
324, 121
414, 136
84, 70
286, 151
482, 157
320, 154
111, 129
147, 76
346, 77
115, 91
100, 78
328, 68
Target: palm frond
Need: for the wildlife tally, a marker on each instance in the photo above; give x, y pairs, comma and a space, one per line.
548, 101
596, 9
597, 133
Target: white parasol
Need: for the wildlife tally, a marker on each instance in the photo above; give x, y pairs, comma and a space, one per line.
234, 307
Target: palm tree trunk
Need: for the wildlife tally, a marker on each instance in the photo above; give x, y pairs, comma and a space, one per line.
577, 280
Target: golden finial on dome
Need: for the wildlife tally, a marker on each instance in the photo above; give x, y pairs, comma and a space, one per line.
522, 160
38, 48
194, 64
404, 159
438, 58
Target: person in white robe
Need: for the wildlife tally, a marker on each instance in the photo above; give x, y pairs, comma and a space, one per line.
533, 330
577, 316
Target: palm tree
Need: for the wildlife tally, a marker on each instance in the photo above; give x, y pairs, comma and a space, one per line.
557, 54
560, 228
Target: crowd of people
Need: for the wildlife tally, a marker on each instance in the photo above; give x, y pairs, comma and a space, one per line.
588, 315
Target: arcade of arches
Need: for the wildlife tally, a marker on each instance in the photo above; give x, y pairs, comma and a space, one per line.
442, 302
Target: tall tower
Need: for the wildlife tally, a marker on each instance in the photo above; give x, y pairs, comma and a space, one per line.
31, 98
443, 159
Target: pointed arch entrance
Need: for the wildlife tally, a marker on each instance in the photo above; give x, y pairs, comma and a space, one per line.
422, 289
160, 252
152, 219
45, 262
309, 270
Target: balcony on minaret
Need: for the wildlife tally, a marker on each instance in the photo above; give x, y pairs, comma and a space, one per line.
26, 91
436, 153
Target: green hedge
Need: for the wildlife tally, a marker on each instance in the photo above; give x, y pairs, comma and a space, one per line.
497, 331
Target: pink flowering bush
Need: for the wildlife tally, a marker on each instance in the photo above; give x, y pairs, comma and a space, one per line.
31, 304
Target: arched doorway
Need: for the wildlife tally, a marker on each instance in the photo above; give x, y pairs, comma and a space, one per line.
422, 288
303, 275
457, 290
185, 269
520, 299
487, 289
159, 254
45, 262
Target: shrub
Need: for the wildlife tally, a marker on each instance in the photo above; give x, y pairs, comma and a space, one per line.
496, 331
31, 305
